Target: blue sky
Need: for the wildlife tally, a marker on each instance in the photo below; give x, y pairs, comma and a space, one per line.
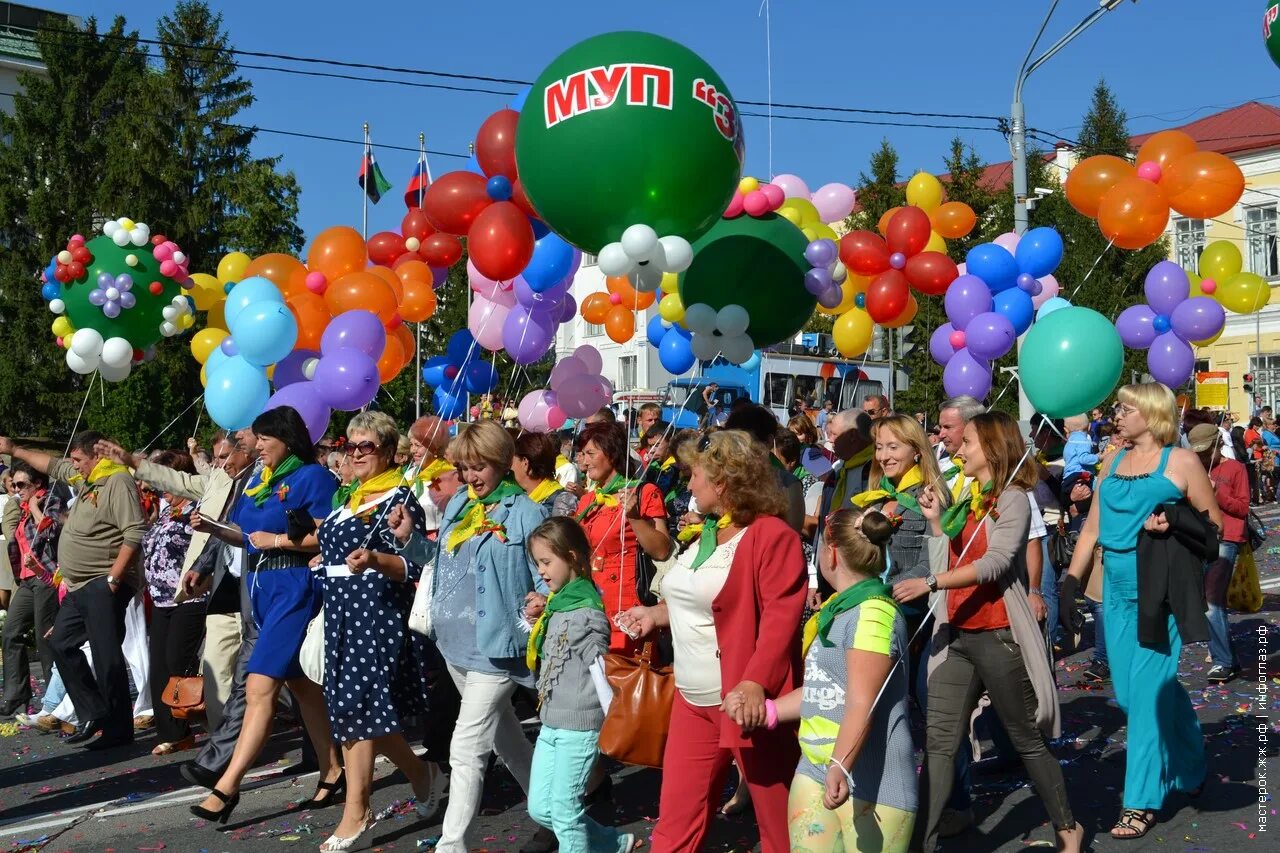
1169, 61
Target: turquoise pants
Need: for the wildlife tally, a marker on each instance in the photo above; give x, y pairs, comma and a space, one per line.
562, 762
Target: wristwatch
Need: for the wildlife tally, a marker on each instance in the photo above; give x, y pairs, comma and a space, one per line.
113, 581
932, 581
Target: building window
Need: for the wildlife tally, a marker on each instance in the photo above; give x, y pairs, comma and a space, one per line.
1266, 380
588, 259
593, 330
1188, 242
1260, 231
627, 371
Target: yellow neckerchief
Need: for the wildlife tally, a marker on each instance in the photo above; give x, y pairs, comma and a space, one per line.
544, 490
957, 485
667, 464
692, 531
102, 469
810, 632
862, 457
474, 519
384, 482
561, 461
914, 477
433, 470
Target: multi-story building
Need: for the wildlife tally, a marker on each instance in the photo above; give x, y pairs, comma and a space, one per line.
18, 50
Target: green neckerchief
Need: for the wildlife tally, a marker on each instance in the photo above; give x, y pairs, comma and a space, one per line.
905, 501
575, 595
344, 493
270, 477
708, 538
604, 495
844, 602
505, 489
957, 515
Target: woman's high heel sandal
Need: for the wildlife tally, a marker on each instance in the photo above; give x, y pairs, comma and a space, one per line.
335, 842
228, 805
331, 789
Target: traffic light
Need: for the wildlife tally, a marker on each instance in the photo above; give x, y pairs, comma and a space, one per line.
1248, 383
905, 345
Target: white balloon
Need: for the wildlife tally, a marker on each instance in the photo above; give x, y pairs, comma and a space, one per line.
705, 347
737, 348
116, 352
168, 329
839, 272
80, 364
87, 343
677, 254
647, 278
110, 228
113, 293
732, 320
169, 312
115, 374
120, 238
700, 318
640, 242
57, 306
138, 237
613, 260
309, 367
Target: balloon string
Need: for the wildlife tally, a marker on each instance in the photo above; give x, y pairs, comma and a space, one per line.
74, 427
768, 65
172, 422
1096, 261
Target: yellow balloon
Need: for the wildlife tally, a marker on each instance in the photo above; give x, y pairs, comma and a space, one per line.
1220, 261
924, 191
671, 308
186, 321
822, 231
746, 185
1195, 284
62, 327
807, 214
790, 214
852, 332
936, 243
809, 232
231, 267
207, 291
271, 371
857, 283
1243, 293
670, 282
204, 341
847, 296
1208, 341
215, 319
204, 379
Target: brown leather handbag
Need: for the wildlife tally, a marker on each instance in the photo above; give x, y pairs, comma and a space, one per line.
635, 729
184, 694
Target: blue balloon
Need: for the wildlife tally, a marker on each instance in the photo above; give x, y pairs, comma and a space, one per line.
499, 188
216, 357
1039, 252
448, 406
249, 292
433, 370
751, 363
539, 227
675, 353
994, 265
264, 332
1056, 303
1015, 304
461, 347
50, 291
552, 260
236, 393
517, 103
481, 378
655, 331
51, 271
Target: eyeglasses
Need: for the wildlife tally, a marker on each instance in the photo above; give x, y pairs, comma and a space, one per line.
704, 443
872, 411
362, 448
22, 484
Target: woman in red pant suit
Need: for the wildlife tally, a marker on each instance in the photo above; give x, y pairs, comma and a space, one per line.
733, 602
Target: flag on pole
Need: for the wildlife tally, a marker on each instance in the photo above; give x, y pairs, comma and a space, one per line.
379, 185
418, 183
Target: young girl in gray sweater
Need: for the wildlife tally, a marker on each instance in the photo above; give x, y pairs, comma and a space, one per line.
566, 640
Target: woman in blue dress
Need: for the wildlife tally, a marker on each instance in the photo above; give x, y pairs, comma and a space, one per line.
1165, 751
284, 598
373, 680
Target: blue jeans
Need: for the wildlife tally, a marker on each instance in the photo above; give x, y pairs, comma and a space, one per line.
1217, 578
562, 761
54, 692
1099, 636
1049, 591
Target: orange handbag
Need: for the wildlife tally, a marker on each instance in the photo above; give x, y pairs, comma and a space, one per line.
635, 729
184, 694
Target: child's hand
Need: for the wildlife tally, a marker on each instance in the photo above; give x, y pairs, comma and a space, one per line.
837, 792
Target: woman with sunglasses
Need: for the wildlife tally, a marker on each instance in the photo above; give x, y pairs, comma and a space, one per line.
1166, 748
985, 636
373, 680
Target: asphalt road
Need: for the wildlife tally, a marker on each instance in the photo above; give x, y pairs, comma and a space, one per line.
55, 797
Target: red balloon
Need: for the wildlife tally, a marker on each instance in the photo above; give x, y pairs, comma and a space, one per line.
908, 231
864, 253
521, 200
441, 250
415, 224
453, 202
385, 247
496, 144
931, 272
501, 241
888, 296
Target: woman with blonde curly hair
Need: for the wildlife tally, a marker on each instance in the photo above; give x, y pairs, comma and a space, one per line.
733, 602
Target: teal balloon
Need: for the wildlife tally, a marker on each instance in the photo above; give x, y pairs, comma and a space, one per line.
236, 393
627, 128
249, 292
1070, 361
264, 332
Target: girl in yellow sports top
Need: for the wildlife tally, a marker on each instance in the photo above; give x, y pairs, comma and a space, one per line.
855, 787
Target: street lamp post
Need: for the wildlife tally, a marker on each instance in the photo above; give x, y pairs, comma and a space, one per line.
1018, 134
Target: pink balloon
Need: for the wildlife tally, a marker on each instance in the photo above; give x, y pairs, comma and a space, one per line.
1008, 240
791, 186
735, 207
590, 358
485, 319
579, 395
834, 201
316, 282
535, 410
556, 417
756, 203
500, 292
1049, 289
564, 369
774, 194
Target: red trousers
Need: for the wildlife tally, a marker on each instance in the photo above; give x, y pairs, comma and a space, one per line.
693, 771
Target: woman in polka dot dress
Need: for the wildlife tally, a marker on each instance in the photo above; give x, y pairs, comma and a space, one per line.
373, 679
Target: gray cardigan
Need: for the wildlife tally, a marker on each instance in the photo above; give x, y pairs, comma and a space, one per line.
574, 640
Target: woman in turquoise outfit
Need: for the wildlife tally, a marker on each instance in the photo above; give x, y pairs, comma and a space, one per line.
1166, 749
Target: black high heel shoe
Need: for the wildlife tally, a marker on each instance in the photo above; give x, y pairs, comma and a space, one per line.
331, 788
228, 805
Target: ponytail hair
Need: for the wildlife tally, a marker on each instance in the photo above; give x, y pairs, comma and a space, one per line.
860, 539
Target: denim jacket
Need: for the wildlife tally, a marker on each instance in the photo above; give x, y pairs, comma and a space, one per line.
504, 572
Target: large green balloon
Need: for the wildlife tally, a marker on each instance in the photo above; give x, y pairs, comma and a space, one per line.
139, 325
664, 150
757, 263
1271, 29
1070, 361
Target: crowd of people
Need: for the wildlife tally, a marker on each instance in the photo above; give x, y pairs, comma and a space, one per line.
815, 586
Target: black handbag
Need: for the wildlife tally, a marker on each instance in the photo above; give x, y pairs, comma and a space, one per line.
1257, 531
1062, 546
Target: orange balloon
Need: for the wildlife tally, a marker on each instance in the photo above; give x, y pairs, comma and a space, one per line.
632, 299
408, 341
620, 324
1090, 180
1165, 147
419, 301
883, 225
908, 314
596, 307
1203, 185
337, 251
953, 220
391, 361
392, 280
361, 290
312, 315
417, 270
1133, 214
284, 271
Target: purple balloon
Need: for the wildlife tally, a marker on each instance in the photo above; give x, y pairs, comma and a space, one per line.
289, 369
346, 379
1135, 325
817, 281
1166, 286
821, 253
989, 335
965, 374
359, 330
831, 297
568, 309
527, 336
439, 276
579, 395
1170, 359
302, 397
967, 297
940, 343
1198, 318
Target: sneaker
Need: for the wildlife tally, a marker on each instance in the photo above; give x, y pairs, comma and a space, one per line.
1219, 674
1098, 672
24, 719
954, 822
626, 842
